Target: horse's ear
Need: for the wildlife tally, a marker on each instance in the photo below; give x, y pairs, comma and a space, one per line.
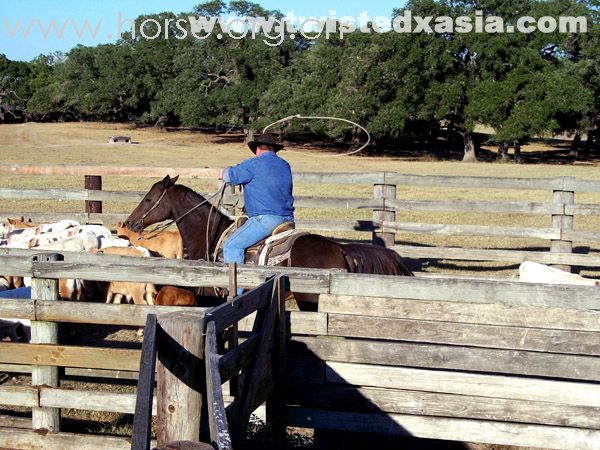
168, 181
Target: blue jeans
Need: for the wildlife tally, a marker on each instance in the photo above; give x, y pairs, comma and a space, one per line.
255, 229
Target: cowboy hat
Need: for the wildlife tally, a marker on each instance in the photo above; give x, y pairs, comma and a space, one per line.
264, 139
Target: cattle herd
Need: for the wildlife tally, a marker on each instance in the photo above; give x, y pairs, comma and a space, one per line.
71, 236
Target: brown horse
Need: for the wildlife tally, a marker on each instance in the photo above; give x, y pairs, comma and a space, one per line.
201, 225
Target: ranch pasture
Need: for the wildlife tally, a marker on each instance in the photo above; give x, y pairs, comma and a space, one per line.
84, 144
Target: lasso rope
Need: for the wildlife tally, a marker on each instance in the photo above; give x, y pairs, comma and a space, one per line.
299, 116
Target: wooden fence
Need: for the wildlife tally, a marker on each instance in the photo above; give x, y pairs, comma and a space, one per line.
562, 211
459, 359
180, 335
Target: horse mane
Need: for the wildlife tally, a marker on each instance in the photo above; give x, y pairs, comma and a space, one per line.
195, 198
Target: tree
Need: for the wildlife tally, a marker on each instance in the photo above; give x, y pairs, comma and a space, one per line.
14, 89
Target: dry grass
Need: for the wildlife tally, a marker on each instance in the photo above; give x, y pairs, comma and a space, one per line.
86, 144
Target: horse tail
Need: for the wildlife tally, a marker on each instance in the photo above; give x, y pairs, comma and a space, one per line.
401, 267
370, 259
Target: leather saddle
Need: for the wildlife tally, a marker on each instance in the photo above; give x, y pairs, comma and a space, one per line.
272, 250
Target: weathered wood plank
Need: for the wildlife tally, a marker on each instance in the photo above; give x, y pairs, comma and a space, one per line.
339, 178
132, 171
14, 438
104, 314
420, 403
180, 381
43, 194
19, 396
467, 291
89, 400
217, 419
310, 323
84, 194
450, 181
485, 313
583, 209
304, 371
472, 206
514, 256
160, 270
466, 430
144, 398
233, 311
238, 358
15, 422
450, 357
44, 333
473, 335
472, 230
581, 236
461, 383
70, 356
15, 266
18, 309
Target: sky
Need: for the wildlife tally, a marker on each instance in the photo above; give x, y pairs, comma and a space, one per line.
35, 35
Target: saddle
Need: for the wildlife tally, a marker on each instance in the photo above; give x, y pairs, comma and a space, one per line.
270, 251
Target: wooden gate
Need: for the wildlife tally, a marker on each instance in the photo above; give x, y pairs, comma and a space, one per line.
191, 371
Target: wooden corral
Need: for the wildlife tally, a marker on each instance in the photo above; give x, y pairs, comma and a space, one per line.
458, 359
250, 361
561, 209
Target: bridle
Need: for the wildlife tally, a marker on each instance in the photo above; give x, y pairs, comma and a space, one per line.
161, 228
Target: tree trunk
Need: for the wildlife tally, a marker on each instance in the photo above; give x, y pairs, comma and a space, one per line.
589, 142
575, 143
517, 146
469, 147
503, 152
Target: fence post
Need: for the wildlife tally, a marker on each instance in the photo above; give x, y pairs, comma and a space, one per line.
180, 377
562, 197
384, 192
93, 183
45, 333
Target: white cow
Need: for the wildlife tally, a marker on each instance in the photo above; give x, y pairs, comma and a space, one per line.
531, 272
41, 229
79, 243
47, 238
114, 242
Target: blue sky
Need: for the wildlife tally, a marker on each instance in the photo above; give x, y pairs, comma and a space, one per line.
103, 17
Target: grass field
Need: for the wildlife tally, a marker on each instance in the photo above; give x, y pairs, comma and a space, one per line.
87, 144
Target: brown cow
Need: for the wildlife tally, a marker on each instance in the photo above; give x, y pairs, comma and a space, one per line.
174, 296
168, 243
139, 293
20, 223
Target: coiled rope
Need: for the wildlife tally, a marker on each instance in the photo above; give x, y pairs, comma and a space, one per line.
299, 116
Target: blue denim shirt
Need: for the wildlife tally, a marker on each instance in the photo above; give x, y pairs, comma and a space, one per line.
267, 182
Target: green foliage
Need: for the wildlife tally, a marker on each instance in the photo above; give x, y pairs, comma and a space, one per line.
400, 86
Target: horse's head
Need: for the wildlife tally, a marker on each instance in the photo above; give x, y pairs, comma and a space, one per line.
153, 208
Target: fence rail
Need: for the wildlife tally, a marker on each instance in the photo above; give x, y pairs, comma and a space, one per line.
461, 359
560, 233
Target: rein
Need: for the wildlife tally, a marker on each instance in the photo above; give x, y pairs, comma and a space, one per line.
161, 228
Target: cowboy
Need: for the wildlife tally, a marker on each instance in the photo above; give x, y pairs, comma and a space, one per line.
268, 199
